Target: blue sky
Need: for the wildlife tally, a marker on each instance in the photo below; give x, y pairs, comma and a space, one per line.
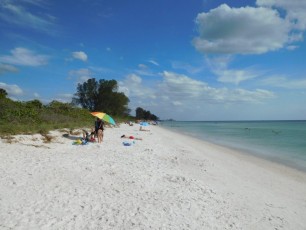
182, 59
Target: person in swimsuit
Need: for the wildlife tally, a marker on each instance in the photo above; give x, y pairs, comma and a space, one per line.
99, 128
131, 137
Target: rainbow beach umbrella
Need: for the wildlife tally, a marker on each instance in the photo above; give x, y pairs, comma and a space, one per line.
104, 117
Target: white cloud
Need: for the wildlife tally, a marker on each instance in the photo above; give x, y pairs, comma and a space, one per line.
187, 67
182, 88
219, 66
24, 57
234, 76
245, 30
142, 66
14, 13
179, 89
180, 93
4, 68
80, 55
132, 87
284, 82
139, 94
134, 79
40, 3
295, 10
12, 90
153, 62
292, 47
144, 70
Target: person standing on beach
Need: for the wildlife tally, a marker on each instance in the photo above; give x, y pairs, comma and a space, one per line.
99, 128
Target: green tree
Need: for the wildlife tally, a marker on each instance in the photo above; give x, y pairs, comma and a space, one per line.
101, 96
140, 113
3, 93
60, 107
87, 94
147, 115
35, 103
144, 114
154, 117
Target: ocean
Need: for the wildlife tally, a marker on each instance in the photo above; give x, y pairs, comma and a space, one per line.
279, 141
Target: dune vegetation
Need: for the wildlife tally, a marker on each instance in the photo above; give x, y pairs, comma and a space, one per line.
27, 117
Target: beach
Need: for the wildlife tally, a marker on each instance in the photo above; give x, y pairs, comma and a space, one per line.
164, 181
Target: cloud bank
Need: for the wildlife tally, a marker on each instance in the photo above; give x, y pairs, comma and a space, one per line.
250, 30
24, 57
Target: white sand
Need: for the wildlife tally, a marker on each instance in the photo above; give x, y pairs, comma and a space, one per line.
165, 181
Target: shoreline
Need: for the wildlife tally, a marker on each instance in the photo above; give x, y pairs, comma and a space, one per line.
272, 156
244, 154
167, 180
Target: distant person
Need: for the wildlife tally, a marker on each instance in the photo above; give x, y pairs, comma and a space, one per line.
99, 128
89, 136
131, 137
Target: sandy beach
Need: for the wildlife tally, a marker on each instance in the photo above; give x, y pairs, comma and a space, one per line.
165, 181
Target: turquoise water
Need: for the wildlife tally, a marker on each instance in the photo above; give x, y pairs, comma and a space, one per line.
280, 141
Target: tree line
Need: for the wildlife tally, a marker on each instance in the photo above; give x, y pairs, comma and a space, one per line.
142, 114
90, 96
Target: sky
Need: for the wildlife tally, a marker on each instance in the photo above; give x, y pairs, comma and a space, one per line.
191, 60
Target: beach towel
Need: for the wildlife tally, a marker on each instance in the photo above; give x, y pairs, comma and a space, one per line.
127, 143
80, 142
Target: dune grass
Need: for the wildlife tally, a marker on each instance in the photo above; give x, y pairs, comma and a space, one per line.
30, 118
